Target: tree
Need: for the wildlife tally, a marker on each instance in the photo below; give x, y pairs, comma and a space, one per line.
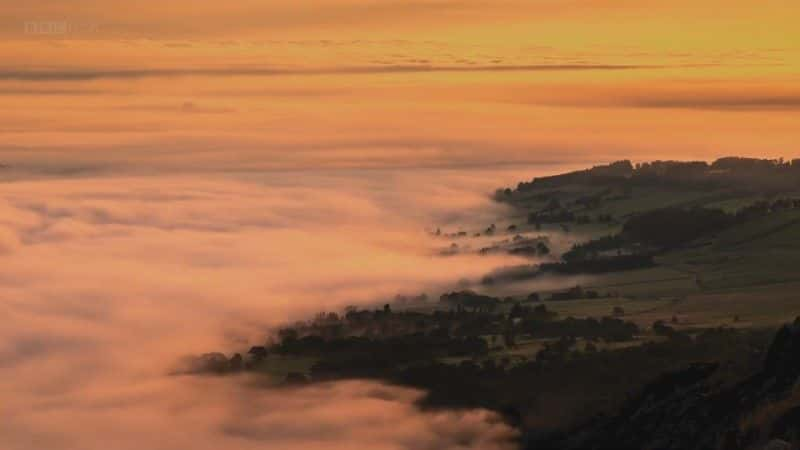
553, 204
510, 337
542, 249
287, 334
671, 227
258, 352
236, 362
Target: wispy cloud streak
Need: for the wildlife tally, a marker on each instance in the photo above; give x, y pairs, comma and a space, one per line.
95, 74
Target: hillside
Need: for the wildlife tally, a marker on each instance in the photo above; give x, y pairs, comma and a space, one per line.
649, 315
728, 227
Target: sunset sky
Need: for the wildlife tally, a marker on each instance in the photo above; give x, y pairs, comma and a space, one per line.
375, 83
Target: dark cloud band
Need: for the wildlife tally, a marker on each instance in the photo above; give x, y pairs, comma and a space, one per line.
90, 74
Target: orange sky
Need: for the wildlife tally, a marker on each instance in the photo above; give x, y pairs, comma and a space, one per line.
247, 83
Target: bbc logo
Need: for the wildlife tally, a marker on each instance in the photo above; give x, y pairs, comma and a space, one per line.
58, 27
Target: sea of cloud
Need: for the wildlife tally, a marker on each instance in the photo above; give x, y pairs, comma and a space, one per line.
108, 279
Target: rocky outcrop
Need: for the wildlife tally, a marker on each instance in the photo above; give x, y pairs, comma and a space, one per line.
783, 358
685, 410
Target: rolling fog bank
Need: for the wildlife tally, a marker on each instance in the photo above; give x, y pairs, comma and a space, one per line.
110, 278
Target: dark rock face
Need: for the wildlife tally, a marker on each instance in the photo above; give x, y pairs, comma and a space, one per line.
684, 410
777, 444
783, 359
788, 425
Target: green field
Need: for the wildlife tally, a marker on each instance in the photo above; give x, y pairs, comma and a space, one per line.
750, 270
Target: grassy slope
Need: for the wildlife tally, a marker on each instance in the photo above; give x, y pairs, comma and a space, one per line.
746, 277
750, 271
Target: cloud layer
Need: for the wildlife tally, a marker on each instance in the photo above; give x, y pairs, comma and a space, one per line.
108, 280
209, 414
